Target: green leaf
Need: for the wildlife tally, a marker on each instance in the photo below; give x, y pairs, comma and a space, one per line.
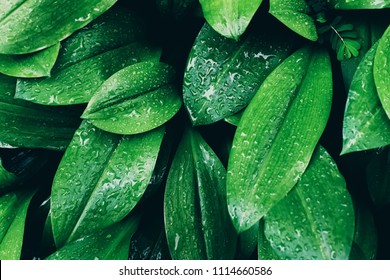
32, 25
197, 222
100, 179
382, 71
316, 219
230, 18
295, 14
358, 4
264, 249
277, 135
247, 242
7, 179
222, 76
13, 211
32, 65
136, 99
234, 119
111, 243
366, 125
23, 124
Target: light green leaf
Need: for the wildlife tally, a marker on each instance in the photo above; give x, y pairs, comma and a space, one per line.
13, 211
295, 14
197, 222
100, 179
316, 219
358, 4
32, 65
32, 25
111, 243
382, 71
23, 124
277, 135
136, 99
230, 18
366, 125
222, 76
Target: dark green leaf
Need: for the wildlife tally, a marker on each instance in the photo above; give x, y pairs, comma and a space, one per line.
176, 9
247, 242
264, 249
358, 4
277, 135
7, 179
136, 99
234, 119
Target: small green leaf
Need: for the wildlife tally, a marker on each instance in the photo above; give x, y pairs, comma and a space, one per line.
29, 26
277, 135
295, 14
382, 71
100, 179
230, 18
366, 125
13, 211
32, 65
222, 76
358, 4
316, 219
197, 222
136, 99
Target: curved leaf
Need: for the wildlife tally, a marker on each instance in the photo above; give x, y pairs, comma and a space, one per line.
366, 125
230, 18
100, 179
358, 4
295, 14
136, 99
32, 65
31, 25
234, 119
197, 223
277, 135
222, 76
382, 71
316, 219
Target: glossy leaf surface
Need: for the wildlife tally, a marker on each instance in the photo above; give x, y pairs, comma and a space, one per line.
222, 76
100, 179
230, 18
32, 25
197, 223
136, 99
358, 4
277, 135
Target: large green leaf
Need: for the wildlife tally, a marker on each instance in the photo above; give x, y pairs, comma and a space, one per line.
23, 124
13, 211
31, 25
230, 18
111, 243
7, 179
316, 219
382, 71
100, 179
136, 99
32, 65
222, 76
277, 135
295, 14
359, 4
197, 222
366, 125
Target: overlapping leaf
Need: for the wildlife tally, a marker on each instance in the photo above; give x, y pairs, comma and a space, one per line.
277, 135
100, 179
136, 99
197, 223
359, 4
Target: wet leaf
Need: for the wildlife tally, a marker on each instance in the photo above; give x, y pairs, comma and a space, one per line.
136, 99
230, 18
100, 179
13, 211
295, 14
197, 223
111, 243
277, 135
32, 65
28, 26
264, 249
358, 4
316, 219
222, 76
366, 125
23, 124
382, 70
235, 119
